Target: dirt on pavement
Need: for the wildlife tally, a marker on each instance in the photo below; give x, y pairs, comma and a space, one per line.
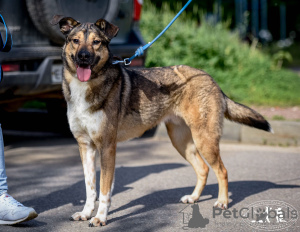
279, 113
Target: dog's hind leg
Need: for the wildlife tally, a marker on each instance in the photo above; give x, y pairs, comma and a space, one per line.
203, 112
87, 153
208, 145
181, 138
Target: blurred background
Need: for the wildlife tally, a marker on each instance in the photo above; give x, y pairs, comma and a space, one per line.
250, 47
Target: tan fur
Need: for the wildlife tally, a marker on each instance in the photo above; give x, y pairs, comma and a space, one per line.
120, 103
179, 74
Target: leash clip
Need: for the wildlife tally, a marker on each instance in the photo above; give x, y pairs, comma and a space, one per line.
126, 62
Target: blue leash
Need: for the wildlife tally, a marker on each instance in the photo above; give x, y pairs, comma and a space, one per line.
140, 50
5, 46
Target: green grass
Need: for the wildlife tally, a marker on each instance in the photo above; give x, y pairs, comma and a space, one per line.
245, 74
278, 118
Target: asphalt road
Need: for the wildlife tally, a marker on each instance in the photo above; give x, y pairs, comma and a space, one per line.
45, 172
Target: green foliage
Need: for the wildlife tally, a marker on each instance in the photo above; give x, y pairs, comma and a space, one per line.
244, 74
278, 118
279, 56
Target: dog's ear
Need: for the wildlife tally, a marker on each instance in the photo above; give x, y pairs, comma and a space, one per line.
109, 30
66, 24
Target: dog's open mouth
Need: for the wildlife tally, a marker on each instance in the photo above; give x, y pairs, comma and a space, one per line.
83, 72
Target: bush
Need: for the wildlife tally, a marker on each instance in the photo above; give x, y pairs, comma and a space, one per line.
244, 74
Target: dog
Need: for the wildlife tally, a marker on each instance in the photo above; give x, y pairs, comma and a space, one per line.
108, 103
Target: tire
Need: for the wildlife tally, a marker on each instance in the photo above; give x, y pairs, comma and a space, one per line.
42, 12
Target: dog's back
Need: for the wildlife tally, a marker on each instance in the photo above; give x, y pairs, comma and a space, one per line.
172, 93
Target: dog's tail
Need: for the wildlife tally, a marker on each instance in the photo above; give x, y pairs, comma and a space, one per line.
242, 114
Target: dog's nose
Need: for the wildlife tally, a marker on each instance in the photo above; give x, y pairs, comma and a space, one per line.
84, 55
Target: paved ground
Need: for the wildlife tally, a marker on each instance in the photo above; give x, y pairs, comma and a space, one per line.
46, 173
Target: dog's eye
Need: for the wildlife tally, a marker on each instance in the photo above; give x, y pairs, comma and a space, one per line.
96, 42
76, 41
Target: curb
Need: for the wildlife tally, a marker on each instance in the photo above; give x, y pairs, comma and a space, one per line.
286, 133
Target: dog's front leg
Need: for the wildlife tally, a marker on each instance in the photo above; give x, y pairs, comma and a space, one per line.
87, 153
107, 157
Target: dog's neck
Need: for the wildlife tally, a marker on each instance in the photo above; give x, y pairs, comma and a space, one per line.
97, 88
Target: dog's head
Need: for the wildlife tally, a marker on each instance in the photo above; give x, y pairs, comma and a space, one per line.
86, 47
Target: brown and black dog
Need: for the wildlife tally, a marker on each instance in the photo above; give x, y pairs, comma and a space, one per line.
110, 103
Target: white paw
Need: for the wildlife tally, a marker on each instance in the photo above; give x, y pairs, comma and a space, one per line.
95, 222
80, 216
188, 199
221, 205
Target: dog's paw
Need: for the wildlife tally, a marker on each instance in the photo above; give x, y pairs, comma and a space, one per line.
188, 199
79, 216
95, 222
221, 204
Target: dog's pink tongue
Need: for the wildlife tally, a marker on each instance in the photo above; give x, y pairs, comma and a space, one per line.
84, 74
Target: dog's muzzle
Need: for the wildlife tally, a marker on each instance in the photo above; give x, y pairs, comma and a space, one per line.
84, 60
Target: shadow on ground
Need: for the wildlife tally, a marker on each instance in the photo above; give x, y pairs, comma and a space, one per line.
76, 192
127, 175
239, 189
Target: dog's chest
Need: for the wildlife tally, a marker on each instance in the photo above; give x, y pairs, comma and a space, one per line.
80, 118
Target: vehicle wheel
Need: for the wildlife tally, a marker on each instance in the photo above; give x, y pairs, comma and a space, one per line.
42, 12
